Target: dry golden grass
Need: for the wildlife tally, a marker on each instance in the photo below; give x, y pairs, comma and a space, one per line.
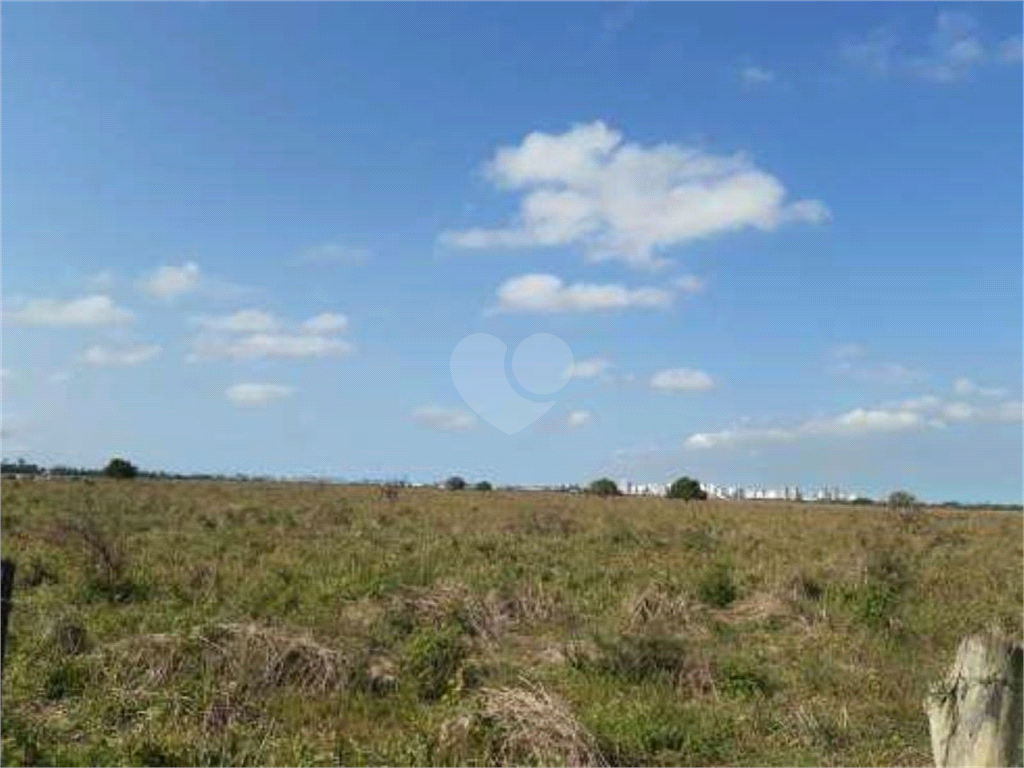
265, 623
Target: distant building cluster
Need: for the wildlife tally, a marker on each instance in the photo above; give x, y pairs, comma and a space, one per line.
786, 493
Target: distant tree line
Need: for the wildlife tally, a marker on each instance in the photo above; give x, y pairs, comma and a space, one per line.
456, 483
685, 488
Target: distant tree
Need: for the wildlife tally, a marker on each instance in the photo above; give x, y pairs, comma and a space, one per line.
122, 469
863, 500
454, 483
902, 500
686, 488
483, 485
604, 487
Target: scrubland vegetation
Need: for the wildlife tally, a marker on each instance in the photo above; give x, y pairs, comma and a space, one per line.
203, 623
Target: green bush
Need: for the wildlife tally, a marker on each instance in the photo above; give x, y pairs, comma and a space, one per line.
483, 485
454, 483
604, 487
687, 489
122, 469
875, 601
433, 660
716, 587
902, 500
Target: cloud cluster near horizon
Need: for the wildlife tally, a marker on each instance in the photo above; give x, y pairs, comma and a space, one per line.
918, 413
253, 333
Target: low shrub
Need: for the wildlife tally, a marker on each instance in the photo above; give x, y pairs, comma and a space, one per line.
433, 659
742, 678
68, 678
637, 658
717, 587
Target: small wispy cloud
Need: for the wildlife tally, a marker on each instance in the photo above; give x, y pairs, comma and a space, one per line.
682, 380
925, 412
444, 419
858, 421
326, 322
851, 361
270, 345
250, 393
95, 310
755, 75
689, 284
334, 254
964, 386
101, 282
578, 418
103, 356
242, 321
954, 48
589, 368
254, 333
619, 17
847, 352
170, 281
548, 294
1011, 50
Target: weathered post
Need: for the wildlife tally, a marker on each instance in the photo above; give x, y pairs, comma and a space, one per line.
975, 713
6, 588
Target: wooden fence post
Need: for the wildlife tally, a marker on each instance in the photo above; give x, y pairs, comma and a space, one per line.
6, 588
975, 714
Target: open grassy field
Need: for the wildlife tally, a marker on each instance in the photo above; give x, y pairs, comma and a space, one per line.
162, 623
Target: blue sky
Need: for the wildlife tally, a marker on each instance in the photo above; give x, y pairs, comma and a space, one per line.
782, 241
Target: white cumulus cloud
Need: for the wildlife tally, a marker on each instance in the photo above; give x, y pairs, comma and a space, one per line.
256, 394
861, 420
729, 437
102, 356
92, 310
169, 282
682, 380
588, 187
547, 293
242, 321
